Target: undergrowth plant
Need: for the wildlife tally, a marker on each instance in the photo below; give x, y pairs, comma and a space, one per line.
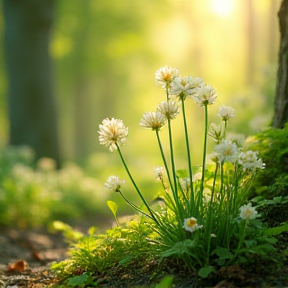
33, 192
204, 219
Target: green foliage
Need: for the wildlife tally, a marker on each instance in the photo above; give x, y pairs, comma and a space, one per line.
272, 145
119, 246
34, 194
166, 282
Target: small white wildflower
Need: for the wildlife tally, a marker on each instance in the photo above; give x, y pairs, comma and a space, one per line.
247, 212
159, 172
112, 132
169, 109
185, 86
185, 184
213, 235
249, 160
205, 95
197, 176
114, 183
226, 151
214, 157
207, 195
165, 75
153, 120
190, 224
226, 112
215, 131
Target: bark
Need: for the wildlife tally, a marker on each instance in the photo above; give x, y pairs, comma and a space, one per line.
32, 111
281, 97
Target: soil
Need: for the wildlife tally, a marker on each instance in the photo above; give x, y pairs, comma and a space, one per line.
26, 255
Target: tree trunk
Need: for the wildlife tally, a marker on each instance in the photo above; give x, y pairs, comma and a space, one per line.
32, 111
281, 97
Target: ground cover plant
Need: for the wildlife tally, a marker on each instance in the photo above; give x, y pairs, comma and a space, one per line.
34, 193
202, 220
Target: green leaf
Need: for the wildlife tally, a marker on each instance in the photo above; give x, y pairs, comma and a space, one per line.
78, 280
180, 248
277, 230
113, 207
204, 272
223, 253
182, 173
165, 282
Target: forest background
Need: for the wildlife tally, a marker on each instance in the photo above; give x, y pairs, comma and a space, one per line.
105, 54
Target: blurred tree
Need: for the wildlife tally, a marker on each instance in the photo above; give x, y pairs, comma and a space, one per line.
281, 97
32, 111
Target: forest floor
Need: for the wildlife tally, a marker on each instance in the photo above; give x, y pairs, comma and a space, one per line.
26, 256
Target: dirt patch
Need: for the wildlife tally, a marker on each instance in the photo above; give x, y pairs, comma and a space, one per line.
26, 255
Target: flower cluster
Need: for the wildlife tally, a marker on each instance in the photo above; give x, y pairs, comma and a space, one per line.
249, 160
112, 133
114, 183
213, 199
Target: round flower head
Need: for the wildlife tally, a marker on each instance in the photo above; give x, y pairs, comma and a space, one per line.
114, 183
190, 224
159, 172
227, 151
112, 132
165, 75
247, 212
226, 112
250, 161
205, 95
153, 120
185, 86
169, 109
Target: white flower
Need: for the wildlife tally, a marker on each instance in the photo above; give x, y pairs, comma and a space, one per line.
159, 172
114, 183
153, 120
205, 95
185, 86
213, 235
214, 157
226, 112
215, 131
169, 109
165, 75
227, 151
185, 184
247, 212
112, 132
197, 176
190, 224
249, 160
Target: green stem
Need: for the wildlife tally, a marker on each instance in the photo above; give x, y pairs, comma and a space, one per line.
164, 160
205, 147
172, 155
210, 215
188, 155
171, 146
134, 206
135, 186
